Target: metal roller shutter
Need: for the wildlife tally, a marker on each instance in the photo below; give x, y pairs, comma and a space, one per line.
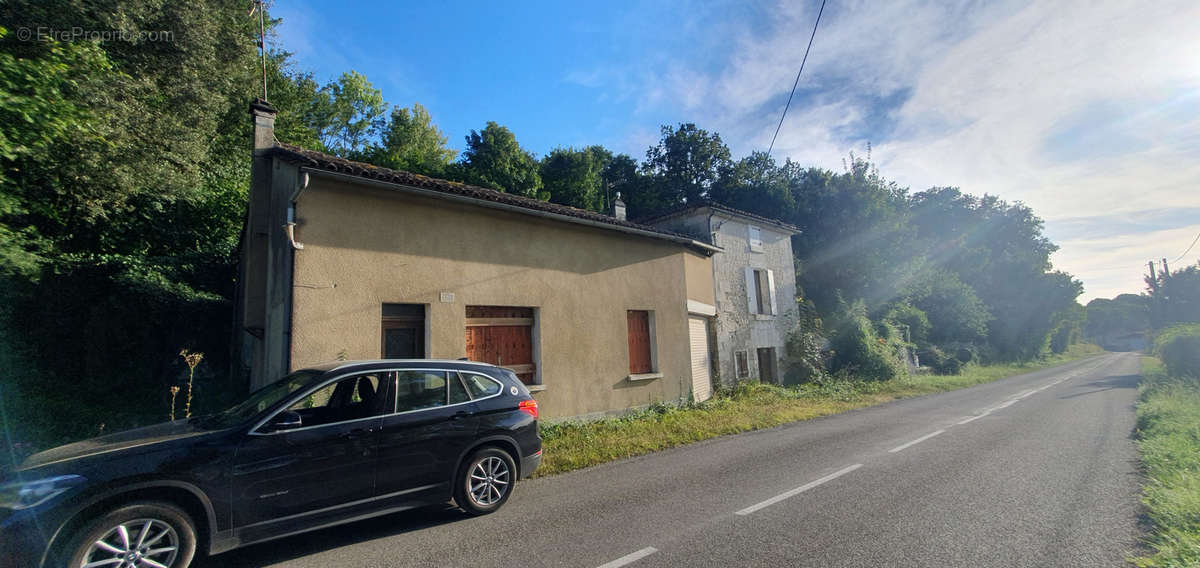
701, 361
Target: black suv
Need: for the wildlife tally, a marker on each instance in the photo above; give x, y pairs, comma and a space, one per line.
325, 445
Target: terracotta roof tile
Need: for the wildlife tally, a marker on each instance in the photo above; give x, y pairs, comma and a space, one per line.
330, 163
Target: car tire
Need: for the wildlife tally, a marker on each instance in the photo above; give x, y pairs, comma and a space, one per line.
485, 481
159, 531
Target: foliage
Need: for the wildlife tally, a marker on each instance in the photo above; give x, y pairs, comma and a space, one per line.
912, 319
1179, 348
859, 350
494, 159
1123, 315
411, 142
955, 313
1168, 414
685, 163
576, 177
1174, 297
804, 359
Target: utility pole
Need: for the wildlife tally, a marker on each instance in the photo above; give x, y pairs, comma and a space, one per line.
1153, 277
1166, 270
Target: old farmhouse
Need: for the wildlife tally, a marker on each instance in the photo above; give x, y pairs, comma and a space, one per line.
347, 260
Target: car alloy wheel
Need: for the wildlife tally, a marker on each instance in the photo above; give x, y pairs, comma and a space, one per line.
135, 544
489, 482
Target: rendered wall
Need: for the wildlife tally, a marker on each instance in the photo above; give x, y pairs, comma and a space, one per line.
365, 246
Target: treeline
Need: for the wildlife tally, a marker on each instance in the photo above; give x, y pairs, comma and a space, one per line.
1171, 298
125, 176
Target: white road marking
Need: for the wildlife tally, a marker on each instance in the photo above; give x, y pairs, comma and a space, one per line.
798, 490
631, 557
973, 418
914, 442
1025, 394
1005, 404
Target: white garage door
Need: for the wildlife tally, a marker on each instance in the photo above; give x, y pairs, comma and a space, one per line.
701, 379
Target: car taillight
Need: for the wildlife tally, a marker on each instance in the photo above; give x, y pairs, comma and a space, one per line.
529, 407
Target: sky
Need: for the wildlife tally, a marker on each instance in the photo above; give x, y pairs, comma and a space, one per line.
1088, 112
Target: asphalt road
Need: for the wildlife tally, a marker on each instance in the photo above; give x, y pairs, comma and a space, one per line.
1034, 470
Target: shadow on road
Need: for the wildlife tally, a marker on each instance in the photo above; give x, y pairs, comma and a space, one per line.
285, 549
1107, 383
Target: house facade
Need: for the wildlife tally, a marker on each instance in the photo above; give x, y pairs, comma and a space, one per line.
347, 260
755, 287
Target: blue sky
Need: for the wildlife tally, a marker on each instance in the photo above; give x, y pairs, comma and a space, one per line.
1087, 111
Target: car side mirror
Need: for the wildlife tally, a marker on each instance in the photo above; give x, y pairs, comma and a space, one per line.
286, 420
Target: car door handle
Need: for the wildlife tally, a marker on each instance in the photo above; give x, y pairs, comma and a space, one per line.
459, 415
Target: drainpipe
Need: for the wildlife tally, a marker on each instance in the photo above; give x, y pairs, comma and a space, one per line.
290, 226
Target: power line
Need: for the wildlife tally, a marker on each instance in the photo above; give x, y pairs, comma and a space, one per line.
797, 82
1189, 249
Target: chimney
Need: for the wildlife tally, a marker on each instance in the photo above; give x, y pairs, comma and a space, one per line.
619, 208
264, 124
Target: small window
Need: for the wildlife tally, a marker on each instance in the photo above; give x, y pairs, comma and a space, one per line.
742, 361
479, 385
416, 390
755, 237
641, 342
352, 398
760, 291
458, 391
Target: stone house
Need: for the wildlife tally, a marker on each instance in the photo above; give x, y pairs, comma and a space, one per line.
755, 287
340, 259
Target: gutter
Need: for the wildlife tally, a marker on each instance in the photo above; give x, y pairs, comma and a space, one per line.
706, 248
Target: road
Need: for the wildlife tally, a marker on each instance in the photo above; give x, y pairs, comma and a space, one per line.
1034, 470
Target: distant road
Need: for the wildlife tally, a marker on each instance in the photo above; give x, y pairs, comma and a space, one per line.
1034, 470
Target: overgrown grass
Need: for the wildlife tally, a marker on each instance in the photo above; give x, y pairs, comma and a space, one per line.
1169, 427
751, 406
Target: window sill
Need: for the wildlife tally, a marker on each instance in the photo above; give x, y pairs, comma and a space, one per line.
536, 388
645, 376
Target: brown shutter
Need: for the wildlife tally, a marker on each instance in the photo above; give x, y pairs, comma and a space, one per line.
639, 342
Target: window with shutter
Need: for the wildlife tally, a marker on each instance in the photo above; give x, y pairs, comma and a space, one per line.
755, 237
640, 346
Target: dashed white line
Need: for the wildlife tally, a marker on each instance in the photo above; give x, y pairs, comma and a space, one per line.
630, 558
1005, 404
798, 490
914, 442
973, 418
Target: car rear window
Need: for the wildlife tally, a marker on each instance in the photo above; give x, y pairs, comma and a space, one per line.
480, 385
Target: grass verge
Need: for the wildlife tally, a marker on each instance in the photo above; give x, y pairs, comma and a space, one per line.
751, 406
1169, 428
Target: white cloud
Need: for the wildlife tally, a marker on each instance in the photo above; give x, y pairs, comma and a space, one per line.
1076, 108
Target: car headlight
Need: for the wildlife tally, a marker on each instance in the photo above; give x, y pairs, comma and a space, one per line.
26, 494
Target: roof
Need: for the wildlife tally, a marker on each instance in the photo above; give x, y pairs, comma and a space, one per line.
701, 207
322, 162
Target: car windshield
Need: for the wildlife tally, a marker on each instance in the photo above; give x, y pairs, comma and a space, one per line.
260, 400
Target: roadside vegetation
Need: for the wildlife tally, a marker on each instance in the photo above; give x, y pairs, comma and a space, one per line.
754, 406
1169, 430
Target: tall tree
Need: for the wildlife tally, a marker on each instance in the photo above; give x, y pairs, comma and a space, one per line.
494, 159
756, 184
411, 142
576, 177
686, 162
348, 115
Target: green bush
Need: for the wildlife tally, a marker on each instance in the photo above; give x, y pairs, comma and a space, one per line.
941, 362
859, 351
1179, 348
805, 360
